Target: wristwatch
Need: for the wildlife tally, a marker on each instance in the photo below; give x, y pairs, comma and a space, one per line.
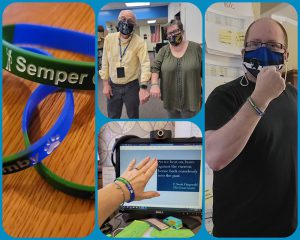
143, 86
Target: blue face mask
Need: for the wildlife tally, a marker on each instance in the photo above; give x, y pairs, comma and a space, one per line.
255, 60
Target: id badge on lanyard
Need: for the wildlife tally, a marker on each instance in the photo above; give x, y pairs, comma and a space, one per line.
121, 69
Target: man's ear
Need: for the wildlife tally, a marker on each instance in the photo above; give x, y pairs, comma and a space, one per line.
286, 56
243, 52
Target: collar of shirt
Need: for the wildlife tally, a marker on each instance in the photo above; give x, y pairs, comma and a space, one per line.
125, 40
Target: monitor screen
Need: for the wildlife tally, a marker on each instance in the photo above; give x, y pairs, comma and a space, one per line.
177, 177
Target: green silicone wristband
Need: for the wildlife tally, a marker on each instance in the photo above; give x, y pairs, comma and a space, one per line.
45, 69
123, 180
68, 187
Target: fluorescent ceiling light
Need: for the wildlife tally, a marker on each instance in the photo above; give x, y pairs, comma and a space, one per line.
151, 21
137, 4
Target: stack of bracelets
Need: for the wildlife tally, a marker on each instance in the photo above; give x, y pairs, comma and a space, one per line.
128, 186
38, 65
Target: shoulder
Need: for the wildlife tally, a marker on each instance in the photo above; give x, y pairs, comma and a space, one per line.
195, 48
291, 90
111, 36
230, 92
195, 45
221, 105
138, 39
228, 88
164, 50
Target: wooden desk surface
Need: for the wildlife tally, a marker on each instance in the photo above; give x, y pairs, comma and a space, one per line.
31, 207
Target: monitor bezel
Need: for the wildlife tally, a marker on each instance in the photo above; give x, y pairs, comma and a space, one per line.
162, 210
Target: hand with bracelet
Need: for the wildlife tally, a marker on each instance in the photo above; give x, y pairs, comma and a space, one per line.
155, 88
113, 195
144, 95
269, 85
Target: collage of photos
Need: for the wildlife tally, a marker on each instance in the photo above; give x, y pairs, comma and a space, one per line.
48, 120
149, 120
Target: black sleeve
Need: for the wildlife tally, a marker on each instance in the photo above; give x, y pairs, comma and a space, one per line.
220, 107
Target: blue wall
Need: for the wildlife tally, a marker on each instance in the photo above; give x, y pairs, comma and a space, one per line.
141, 13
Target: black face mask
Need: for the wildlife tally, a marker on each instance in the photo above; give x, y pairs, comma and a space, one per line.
175, 40
125, 27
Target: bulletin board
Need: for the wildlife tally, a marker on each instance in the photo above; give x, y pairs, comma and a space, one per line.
226, 24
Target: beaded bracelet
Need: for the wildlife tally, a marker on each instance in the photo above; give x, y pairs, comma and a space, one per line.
256, 108
119, 187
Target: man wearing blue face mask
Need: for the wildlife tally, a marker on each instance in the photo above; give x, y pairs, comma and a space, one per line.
125, 68
251, 141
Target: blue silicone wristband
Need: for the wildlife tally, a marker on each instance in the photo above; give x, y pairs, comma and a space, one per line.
59, 183
129, 187
36, 50
49, 142
53, 37
45, 69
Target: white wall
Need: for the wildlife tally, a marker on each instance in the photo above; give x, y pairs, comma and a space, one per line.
191, 19
173, 8
192, 22
146, 30
287, 16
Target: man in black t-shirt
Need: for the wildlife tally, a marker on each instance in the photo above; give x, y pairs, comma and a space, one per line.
251, 141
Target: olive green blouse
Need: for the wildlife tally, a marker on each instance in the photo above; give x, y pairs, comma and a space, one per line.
180, 78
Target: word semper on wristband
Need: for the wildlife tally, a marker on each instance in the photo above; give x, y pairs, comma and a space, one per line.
46, 69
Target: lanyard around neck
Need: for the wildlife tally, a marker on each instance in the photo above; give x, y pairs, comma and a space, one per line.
122, 54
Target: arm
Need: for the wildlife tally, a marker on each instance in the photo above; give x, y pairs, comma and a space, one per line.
226, 143
110, 197
156, 69
155, 89
145, 63
145, 72
104, 72
200, 57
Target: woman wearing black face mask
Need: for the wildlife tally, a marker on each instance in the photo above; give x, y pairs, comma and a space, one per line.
178, 65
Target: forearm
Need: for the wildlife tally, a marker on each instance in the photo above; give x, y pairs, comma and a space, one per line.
109, 199
154, 78
225, 144
105, 83
104, 72
145, 75
145, 64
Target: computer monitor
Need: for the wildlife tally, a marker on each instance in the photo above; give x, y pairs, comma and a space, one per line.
177, 178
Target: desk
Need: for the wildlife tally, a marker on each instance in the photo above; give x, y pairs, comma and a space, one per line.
31, 207
122, 220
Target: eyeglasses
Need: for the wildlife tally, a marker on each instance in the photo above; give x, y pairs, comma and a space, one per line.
170, 34
273, 46
128, 20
